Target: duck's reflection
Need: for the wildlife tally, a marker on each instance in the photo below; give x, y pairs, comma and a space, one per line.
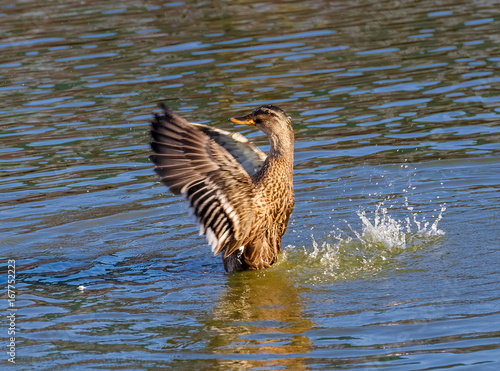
260, 312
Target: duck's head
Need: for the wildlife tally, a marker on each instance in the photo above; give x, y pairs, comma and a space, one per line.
268, 118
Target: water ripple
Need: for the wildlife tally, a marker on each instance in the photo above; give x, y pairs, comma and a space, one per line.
390, 255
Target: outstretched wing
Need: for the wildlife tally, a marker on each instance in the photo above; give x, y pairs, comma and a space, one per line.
244, 151
219, 190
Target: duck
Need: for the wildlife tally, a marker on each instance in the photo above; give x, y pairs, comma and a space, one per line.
242, 198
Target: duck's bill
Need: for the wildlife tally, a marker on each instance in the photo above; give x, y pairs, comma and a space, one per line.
243, 120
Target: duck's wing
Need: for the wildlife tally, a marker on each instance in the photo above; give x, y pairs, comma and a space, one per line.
243, 150
217, 187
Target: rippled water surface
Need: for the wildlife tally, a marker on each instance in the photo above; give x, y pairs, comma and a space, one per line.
392, 255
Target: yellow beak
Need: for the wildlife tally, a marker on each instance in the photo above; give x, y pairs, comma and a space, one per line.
244, 120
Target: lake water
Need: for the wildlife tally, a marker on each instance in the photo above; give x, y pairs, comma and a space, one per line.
392, 254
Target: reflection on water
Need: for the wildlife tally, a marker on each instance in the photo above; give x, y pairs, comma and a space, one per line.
260, 313
395, 108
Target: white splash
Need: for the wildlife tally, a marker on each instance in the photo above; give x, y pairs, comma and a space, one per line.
347, 253
387, 232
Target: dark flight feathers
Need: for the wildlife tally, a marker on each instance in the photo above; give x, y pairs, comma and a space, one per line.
191, 160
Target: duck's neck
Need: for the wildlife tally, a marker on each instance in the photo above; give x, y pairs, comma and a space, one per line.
281, 146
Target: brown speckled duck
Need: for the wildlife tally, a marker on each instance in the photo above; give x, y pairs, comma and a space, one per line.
241, 197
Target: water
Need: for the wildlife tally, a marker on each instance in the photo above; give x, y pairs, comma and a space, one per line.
391, 257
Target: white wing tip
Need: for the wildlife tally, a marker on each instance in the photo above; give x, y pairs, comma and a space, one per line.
212, 239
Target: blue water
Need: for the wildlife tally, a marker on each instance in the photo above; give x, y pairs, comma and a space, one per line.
391, 256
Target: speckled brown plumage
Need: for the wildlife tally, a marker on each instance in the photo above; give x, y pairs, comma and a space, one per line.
241, 198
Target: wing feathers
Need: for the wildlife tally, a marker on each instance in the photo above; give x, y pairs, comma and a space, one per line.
245, 152
218, 189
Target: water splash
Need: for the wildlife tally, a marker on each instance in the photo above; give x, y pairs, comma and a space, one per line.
349, 253
392, 234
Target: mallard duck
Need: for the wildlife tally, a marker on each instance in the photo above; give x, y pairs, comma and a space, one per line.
241, 197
